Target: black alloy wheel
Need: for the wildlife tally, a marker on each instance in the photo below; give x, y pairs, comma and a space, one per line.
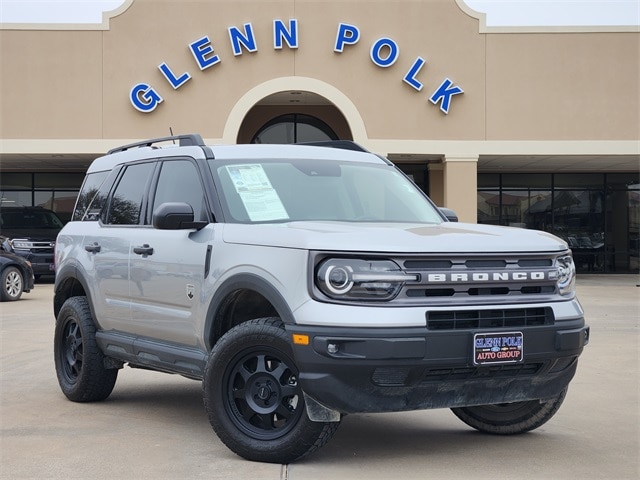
254, 399
80, 365
263, 395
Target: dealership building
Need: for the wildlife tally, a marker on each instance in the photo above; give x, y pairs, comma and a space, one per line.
533, 127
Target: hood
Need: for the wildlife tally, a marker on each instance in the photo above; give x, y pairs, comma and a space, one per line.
35, 234
446, 237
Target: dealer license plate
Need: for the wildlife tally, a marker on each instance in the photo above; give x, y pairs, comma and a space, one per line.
492, 348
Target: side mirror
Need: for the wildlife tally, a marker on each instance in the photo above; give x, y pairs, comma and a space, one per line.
450, 214
175, 216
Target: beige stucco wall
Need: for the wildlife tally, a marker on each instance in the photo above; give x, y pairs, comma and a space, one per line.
542, 86
51, 84
65, 90
563, 86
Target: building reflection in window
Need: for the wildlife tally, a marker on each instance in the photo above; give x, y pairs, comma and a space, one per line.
598, 215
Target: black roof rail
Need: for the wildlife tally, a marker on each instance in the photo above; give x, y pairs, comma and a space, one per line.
343, 144
191, 139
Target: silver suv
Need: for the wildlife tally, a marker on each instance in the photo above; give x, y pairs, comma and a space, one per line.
303, 283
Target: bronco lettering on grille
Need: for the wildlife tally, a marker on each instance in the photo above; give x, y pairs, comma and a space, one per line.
486, 277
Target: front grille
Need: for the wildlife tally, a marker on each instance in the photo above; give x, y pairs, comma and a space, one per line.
494, 371
479, 278
495, 318
42, 247
405, 376
391, 376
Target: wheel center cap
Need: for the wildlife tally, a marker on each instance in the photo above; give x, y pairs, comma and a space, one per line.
264, 392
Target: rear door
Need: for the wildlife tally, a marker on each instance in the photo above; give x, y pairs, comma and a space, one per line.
107, 244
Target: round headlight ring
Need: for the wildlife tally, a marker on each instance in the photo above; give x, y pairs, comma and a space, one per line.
339, 279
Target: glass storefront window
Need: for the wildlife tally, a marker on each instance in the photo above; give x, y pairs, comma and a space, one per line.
622, 239
578, 180
598, 215
530, 180
539, 216
60, 202
58, 180
513, 208
16, 198
16, 181
489, 207
488, 180
55, 191
579, 220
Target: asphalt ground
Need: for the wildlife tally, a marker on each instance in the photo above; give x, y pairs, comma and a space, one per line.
154, 425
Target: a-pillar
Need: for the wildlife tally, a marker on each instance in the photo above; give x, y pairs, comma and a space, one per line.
460, 180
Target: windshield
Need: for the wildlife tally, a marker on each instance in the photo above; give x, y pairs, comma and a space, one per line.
301, 190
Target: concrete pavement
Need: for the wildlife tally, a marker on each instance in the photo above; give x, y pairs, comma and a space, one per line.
154, 425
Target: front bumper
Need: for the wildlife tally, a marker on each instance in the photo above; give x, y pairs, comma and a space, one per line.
41, 263
354, 370
29, 281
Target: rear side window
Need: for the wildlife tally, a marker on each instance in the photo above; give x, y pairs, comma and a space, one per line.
127, 201
92, 197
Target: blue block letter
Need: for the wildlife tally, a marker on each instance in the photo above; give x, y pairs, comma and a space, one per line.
144, 98
392, 56
410, 77
347, 35
176, 82
202, 50
280, 33
444, 93
246, 40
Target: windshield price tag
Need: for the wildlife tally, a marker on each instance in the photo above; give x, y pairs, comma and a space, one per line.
493, 348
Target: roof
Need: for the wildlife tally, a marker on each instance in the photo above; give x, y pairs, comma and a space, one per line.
252, 152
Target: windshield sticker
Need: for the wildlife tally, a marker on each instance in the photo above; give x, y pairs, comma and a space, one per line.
258, 195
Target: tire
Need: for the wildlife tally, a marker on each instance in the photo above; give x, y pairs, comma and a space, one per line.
79, 362
253, 399
12, 284
510, 418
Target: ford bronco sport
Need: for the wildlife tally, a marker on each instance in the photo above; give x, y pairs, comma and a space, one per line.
303, 283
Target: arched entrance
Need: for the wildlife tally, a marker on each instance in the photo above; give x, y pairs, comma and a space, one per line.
293, 116
294, 128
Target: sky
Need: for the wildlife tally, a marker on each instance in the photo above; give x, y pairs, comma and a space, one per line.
500, 13
507, 13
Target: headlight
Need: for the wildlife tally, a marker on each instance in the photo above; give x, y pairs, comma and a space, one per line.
21, 244
566, 271
357, 279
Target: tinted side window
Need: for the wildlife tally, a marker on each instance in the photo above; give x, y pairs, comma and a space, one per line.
180, 182
126, 203
93, 196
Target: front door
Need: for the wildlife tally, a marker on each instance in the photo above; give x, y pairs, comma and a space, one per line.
167, 267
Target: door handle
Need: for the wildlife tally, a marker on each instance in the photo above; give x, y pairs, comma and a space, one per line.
93, 248
143, 250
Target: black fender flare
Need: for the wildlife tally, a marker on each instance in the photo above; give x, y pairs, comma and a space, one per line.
70, 272
246, 281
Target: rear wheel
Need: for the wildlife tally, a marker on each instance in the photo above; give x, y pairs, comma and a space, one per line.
79, 362
510, 418
253, 397
12, 284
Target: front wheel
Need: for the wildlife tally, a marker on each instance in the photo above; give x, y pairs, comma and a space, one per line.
253, 398
510, 418
12, 284
79, 362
